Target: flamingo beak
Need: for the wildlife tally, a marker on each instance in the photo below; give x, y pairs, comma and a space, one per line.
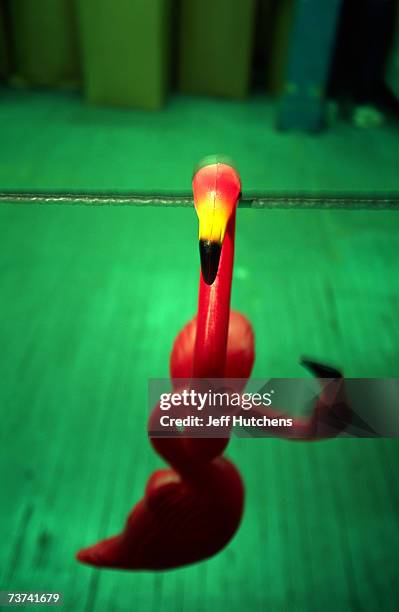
216, 188
212, 229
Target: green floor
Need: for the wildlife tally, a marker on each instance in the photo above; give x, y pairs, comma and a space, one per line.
56, 141
91, 300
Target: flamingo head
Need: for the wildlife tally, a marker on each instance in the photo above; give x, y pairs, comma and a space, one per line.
216, 188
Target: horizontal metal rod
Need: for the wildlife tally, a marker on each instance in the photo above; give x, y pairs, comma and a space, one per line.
349, 201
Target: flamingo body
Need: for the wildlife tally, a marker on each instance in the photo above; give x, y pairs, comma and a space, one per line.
179, 521
189, 513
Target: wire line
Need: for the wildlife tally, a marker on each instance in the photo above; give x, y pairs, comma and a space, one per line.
349, 201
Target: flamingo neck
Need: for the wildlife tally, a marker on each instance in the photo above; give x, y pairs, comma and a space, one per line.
214, 314
193, 457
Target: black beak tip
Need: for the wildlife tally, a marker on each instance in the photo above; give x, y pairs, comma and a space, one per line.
210, 257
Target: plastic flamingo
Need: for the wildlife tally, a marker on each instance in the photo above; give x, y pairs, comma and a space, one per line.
191, 510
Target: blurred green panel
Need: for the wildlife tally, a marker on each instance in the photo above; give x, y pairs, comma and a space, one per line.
279, 31
44, 41
216, 46
125, 51
4, 58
